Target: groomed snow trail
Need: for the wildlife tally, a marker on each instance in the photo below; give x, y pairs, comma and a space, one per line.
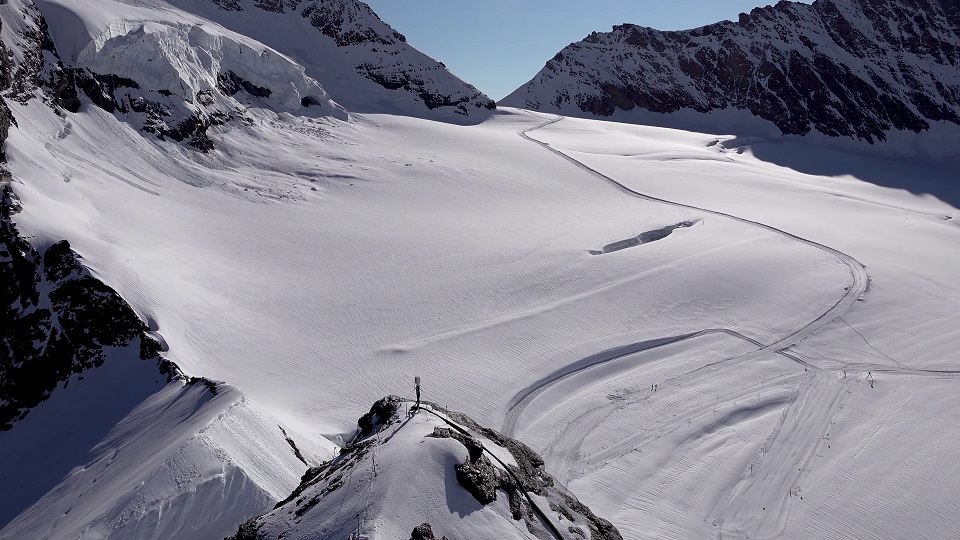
797, 434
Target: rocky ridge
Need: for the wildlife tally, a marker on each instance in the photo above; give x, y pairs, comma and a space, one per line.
492, 468
843, 68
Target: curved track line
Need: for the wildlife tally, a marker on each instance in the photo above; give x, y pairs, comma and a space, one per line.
523, 398
860, 284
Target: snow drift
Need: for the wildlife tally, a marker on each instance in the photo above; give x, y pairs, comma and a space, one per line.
192, 446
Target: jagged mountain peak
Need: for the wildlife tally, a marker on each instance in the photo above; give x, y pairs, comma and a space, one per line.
844, 68
347, 22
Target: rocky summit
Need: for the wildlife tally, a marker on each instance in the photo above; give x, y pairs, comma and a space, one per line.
843, 68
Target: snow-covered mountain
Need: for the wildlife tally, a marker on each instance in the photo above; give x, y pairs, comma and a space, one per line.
407, 470
699, 334
859, 69
177, 67
365, 64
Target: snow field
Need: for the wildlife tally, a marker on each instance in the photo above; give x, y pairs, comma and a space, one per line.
473, 268
748, 476
318, 265
889, 462
647, 458
901, 237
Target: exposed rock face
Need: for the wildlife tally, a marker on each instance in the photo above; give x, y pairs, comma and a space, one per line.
57, 320
845, 68
529, 476
424, 532
477, 474
6, 75
480, 478
382, 414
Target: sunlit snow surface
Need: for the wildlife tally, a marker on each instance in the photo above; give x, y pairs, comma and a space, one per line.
317, 265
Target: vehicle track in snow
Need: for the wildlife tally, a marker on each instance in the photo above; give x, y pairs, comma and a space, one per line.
801, 433
859, 285
522, 399
861, 280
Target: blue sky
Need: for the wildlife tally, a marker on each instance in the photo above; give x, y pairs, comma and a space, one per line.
497, 45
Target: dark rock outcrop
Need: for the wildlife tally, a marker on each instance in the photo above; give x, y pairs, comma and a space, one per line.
477, 474
480, 478
6, 117
56, 322
424, 532
845, 68
57, 319
382, 414
231, 84
529, 476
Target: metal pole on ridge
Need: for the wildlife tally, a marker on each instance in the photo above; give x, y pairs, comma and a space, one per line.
416, 382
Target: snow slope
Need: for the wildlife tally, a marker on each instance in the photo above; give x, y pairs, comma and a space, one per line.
463, 254
225, 291
773, 450
364, 63
190, 461
57, 435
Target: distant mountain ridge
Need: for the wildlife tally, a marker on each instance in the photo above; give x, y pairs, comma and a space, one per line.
844, 68
367, 50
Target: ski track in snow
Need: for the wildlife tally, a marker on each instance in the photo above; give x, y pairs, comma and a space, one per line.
802, 429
